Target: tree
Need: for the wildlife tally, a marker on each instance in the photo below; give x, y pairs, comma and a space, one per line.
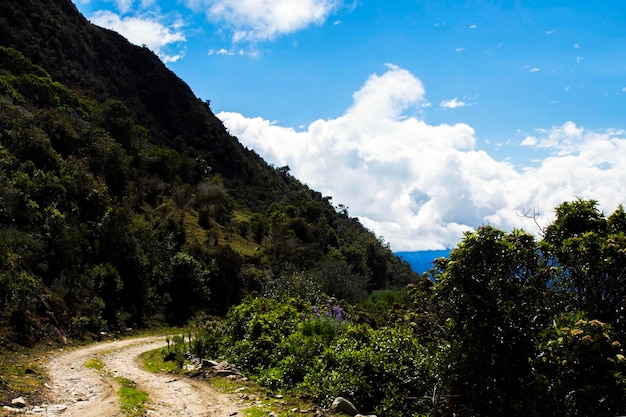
490, 293
589, 251
189, 287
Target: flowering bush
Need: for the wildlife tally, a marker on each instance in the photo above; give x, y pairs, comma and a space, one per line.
582, 366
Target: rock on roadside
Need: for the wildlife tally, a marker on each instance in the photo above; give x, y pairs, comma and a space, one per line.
18, 402
341, 405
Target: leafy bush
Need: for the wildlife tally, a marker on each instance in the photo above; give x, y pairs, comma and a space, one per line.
290, 344
582, 368
385, 371
256, 329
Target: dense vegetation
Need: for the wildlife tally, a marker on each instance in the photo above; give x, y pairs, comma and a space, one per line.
126, 203
509, 326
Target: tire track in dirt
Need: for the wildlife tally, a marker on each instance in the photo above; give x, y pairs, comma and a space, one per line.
78, 391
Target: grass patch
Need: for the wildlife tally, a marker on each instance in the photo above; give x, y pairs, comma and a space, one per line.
21, 375
132, 400
152, 361
255, 412
95, 363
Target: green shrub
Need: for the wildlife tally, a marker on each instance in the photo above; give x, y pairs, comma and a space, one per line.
385, 371
291, 345
581, 366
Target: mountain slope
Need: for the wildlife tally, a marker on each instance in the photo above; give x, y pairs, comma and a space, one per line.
55, 36
126, 203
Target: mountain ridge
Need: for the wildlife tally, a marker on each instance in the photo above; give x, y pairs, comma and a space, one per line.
127, 203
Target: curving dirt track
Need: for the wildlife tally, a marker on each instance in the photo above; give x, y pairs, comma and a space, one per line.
83, 392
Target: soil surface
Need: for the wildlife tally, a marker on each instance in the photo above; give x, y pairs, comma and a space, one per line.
75, 390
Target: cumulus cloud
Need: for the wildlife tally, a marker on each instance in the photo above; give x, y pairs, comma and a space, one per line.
260, 20
420, 186
146, 31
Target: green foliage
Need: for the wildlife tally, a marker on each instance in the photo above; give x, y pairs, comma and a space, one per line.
255, 329
588, 250
491, 323
492, 295
13, 62
126, 203
98, 210
188, 289
289, 344
500, 332
582, 368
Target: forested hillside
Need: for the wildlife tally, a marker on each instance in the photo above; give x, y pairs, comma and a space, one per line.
126, 203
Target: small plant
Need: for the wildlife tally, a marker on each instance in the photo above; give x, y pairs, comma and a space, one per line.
325, 321
177, 350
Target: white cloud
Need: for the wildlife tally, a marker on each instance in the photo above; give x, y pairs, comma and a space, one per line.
260, 20
472, 27
221, 51
460, 49
146, 31
534, 69
562, 139
550, 32
421, 186
579, 59
452, 103
576, 46
124, 6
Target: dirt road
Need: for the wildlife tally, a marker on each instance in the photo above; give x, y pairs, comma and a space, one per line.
76, 390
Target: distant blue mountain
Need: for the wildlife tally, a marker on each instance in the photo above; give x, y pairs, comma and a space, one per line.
422, 261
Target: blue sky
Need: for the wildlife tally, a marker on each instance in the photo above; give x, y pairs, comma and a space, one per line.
424, 118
